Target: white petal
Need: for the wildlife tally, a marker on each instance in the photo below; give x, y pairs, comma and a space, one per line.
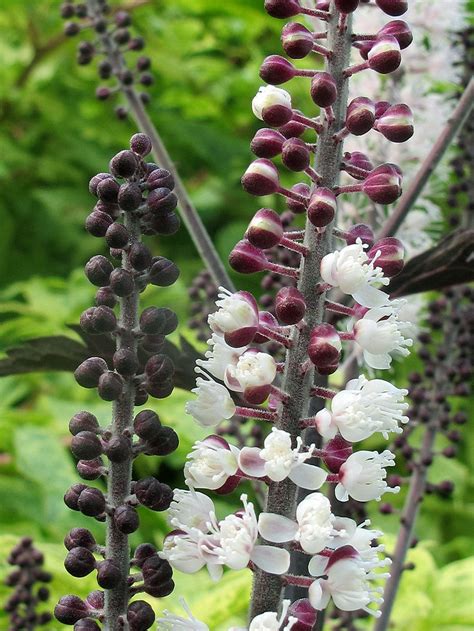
276, 528
382, 362
317, 565
215, 571
271, 559
315, 594
369, 296
308, 476
251, 463
340, 492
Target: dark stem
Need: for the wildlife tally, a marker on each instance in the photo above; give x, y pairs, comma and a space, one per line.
453, 126
282, 496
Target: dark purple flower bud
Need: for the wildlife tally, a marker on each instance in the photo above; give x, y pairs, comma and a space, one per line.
71, 29
110, 386
107, 190
305, 615
95, 181
295, 154
84, 421
79, 562
297, 40
91, 502
153, 343
71, 496
70, 609
136, 43
156, 571
400, 30
125, 362
143, 63
160, 178
380, 108
396, 123
90, 469
292, 129
124, 164
158, 321
384, 56
90, 371
143, 551
67, 10
129, 196
347, 6
81, 10
383, 185
337, 451
276, 70
108, 574
162, 200
147, 425
360, 116
159, 389
159, 368
261, 178
282, 8
267, 143
153, 494
265, 230
322, 207
165, 224
324, 347
97, 223
140, 256
162, 590
393, 7
359, 161
323, 89
79, 537
86, 624
102, 93
122, 19
97, 320
117, 236
294, 205
388, 254
361, 231
163, 272
164, 443
246, 258
105, 69
290, 306
140, 616
118, 449
86, 445
126, 520
95, 599
122, 282
98, 270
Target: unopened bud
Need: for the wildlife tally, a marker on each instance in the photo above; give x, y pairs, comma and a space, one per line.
295, 206
400, 30
396, 123
70, 609
297, 40
393, 7
265, 230
282, 8
124, 164
295, 154
323, 89
153, 494
246, 258
325, 346
290, 306
79, 562
360, 231
86, 445
304, 613
91, 502
108, 574
261, 178
384, 56
141, 144
347, 6
89, 372
360, 116
383, 184
267, 143
336, 452
388, 254
276, 70
126, 519
140, 616
322, 207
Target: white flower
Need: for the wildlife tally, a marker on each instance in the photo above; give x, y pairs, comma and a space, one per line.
354, 273
253, 370
213, 403
380, 333
171, 622
267, 96
363, 474
269, 621
189, 550
236, 318
363, 408
220, 356
211, 463
360, 538
279, 460
190, 508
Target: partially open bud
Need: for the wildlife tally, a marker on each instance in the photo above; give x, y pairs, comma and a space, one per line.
393, 7
272, 105
360, 231
304, 613
267, 143
383, 185
79, 537
265, 230
266, 319
261, 178
400, 30
276, 70
323, 89
246, 258
325, 346
396, 123
290, 306
384, 56
298, 207
347, 6
388, 254
296, 155
360, 116
297, 40
282, 8
322, 207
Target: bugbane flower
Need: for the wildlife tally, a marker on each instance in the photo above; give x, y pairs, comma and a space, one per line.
363, 408
213, 402
381, 333
270, 621
355, 274
219, 356
237, 317
253, 375
190, 508
362, 476
360, 538
211, 463
189, 550
279, 460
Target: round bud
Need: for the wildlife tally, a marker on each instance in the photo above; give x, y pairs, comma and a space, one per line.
108, 574
267, 143
282, 8
95, 181
97, 223
296, 206
153, 494
136, 43
143, 551
67, 10
159, 389
140, 616
393, 7
86, 445
160, 591
141, 144
97, 320
246, 258
91, 502
388, 254
292, 129
71, 496
276, 70
153, 343
360, 117
272, 105
164, 443
105, 69
297, 40
360, 231
89, 372
70, 609
130, 196
71, 29
290, 306
143, 63
160, 178
124, 164
295, 154
337, 451
86, 624
118, 449
90, 469
346, 6
156, 571
396, 123
96, 599
163, 272
79, 562
125, 362
165, 224
384, 56
126, 520
323, 89
325, 346
159, 368
107, 190
98, 270
162, 200
140, 256
261, 178
383, 185
322, 207
110, 386
122, 282
400, 30
265, 230
359, 161
79, 537
84, 421
158, 321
